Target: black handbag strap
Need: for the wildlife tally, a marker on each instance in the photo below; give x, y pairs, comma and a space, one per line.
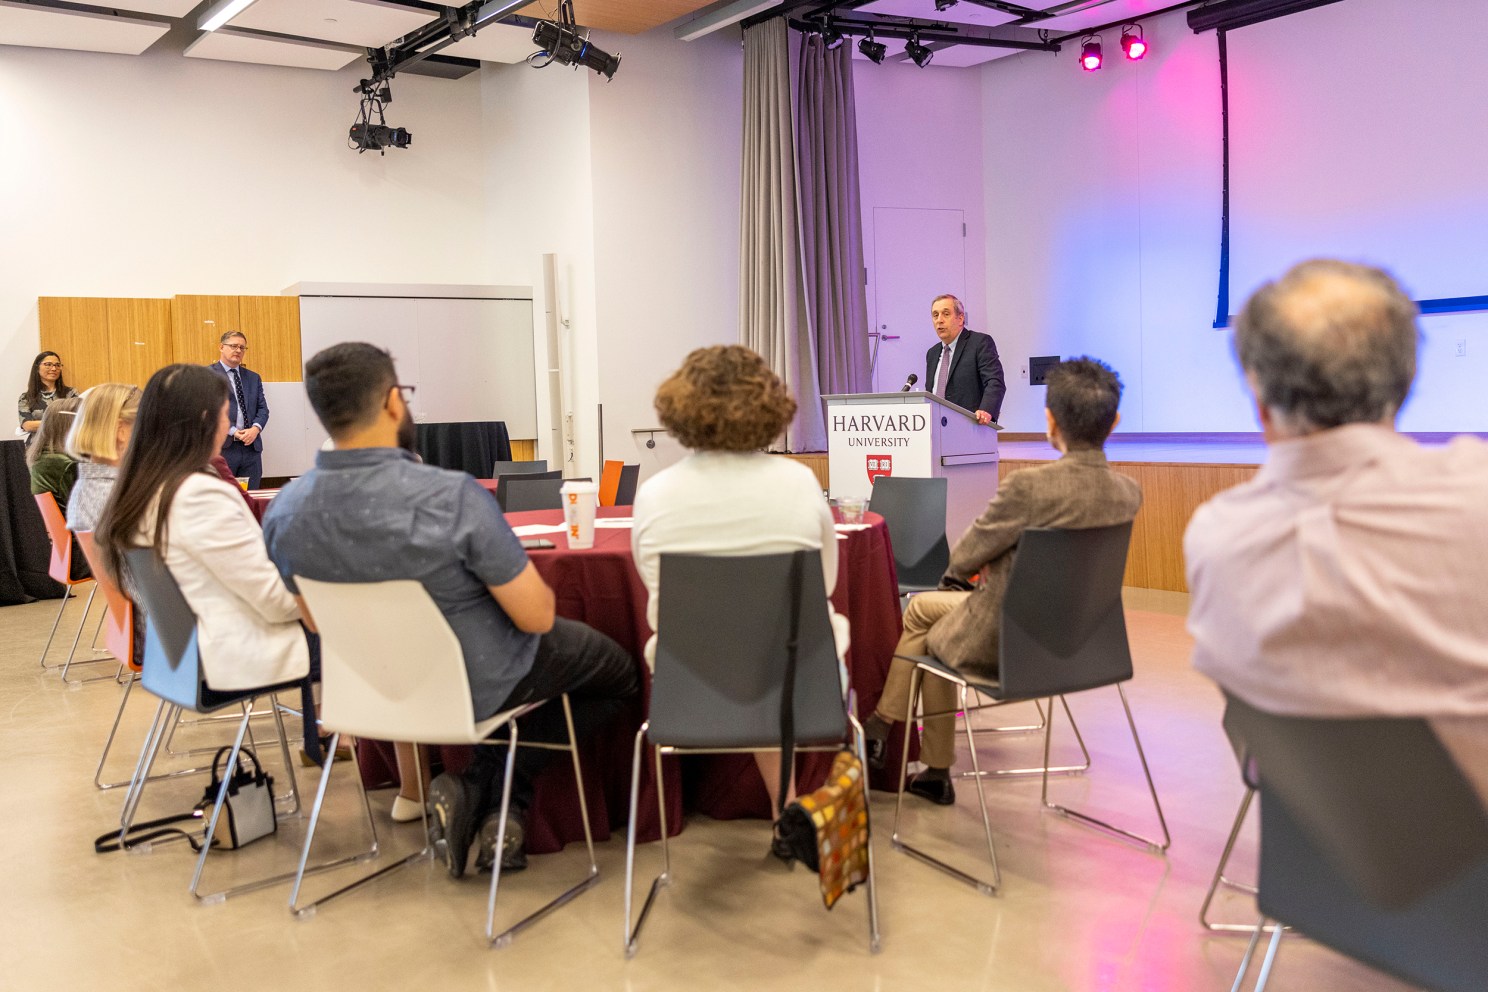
150, 830
788, 691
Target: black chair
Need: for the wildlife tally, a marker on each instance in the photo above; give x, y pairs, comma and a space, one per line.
503, 484
630, 477
518, 468
1372, 843
1063, 630
173, 672
721, 655
915, 512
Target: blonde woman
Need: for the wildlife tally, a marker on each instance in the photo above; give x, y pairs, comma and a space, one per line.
97, 440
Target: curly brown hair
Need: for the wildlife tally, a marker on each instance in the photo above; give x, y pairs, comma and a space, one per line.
724, 398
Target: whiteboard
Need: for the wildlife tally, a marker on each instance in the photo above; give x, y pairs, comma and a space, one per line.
468, 360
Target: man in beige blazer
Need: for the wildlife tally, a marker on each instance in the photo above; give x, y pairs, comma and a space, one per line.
959, 621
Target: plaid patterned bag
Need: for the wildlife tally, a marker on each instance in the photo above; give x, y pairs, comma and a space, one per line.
828, 830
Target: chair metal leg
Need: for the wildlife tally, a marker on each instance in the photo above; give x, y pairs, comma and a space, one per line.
1045, 768
982, 886
1220, 878
860, 743
293, 796
632, 936
77, 639
108, 746
1022, 728
1250, 949
1088, 820
164, 713
309, 909
504, 938
53, 633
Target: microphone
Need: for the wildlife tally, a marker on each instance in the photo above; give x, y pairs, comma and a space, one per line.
909, 382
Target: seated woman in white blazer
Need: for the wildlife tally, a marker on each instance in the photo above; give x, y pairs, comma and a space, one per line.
168, 497
728, 497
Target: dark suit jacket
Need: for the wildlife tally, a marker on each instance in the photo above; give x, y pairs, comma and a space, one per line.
975, 381
253, 394
1079, 490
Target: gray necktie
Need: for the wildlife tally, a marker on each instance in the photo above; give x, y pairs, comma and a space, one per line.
941, 370
242, 403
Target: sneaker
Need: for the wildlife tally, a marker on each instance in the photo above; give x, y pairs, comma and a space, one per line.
453, 823
513, 854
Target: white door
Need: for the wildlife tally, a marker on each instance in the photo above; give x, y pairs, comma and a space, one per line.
917, 255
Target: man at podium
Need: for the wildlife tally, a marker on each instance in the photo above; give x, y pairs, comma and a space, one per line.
964, 367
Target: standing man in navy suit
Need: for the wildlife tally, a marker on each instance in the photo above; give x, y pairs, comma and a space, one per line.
247, 410
964, 367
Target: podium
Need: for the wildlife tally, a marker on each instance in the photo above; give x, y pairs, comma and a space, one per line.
918, 435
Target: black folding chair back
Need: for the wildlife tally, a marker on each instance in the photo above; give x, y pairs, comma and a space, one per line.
1372, 842
518, 468
504, 483
915, 512
630, 477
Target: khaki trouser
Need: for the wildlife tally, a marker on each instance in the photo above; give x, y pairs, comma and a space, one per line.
938, 745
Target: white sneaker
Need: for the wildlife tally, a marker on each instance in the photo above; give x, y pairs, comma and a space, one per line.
405, 810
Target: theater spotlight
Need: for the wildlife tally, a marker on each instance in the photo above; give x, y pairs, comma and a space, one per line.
563, 44
873, 51
1132, 43
918, 53
831, 37
1090, 53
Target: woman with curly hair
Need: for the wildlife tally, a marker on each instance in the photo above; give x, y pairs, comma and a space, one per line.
728, 497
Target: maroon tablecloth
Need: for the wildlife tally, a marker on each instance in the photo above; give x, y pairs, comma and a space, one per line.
601, 587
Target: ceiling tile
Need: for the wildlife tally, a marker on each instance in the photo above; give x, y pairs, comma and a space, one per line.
49, 27
961, 13
169, 8
364, 23
237, 45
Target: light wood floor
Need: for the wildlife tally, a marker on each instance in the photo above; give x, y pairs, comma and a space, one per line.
1078, 911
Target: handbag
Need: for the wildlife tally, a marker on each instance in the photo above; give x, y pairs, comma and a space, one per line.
247, 814
828, 830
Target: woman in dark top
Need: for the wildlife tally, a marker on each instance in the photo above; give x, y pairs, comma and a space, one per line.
45, 385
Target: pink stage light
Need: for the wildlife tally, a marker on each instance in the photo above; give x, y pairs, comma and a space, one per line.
1132, 43
1090, 55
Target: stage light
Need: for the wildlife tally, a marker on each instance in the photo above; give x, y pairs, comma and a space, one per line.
563, 44
1133, 45
831, 37
873, 51
941, 6
918, 53
1090, 53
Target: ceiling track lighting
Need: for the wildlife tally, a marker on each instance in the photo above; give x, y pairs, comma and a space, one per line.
831, 37
221, 12
1090, 53
1133, 45
873, 51
918, 53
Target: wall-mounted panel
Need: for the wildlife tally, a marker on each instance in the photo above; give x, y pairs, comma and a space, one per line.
76, 328
272, 324
197, 322
139, 334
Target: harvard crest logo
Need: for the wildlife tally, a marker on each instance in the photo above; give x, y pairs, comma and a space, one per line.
879, 465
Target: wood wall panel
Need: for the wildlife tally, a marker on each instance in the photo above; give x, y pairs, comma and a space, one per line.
76, 328
197, 322
272, 324
1170, 495
817, 462
55, 313
140, 339
524, 451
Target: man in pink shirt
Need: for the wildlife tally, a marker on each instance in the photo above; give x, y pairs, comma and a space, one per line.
1350, 576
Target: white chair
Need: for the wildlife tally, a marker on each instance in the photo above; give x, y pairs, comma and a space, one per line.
392, 669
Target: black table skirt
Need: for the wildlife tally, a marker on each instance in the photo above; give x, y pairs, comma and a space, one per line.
470, 447
25, 550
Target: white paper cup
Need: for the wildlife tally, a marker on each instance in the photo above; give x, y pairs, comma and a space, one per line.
580, 502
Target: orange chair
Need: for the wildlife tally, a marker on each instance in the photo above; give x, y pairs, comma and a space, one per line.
61, 570
609, 482
118, 637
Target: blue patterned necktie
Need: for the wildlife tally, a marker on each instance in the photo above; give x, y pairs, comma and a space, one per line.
242, 403
940, 371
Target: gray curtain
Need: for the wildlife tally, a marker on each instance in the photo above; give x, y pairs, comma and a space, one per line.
831, 218
772, 317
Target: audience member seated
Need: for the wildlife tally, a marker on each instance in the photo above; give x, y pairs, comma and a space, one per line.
53, 470
959, 621
1347, 577
98, 437
728, 497
370, 512
168, 498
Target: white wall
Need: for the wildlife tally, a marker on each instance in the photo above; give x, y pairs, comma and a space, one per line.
155, 175
919, 147
1108, 188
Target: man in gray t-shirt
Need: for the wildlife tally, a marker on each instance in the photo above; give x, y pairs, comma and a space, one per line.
369, 512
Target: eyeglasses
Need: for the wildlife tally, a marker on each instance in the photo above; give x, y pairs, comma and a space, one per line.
406, 392
51, 365
236, 347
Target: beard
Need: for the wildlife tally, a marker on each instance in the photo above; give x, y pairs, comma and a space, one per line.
407, 436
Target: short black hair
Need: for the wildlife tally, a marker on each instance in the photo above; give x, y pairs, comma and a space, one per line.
1083, 396
348, 383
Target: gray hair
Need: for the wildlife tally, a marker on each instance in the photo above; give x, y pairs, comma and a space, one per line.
232, 334
959, 308
1329, 343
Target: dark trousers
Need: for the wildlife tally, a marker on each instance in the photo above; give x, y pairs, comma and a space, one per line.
244, 462
600, 679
